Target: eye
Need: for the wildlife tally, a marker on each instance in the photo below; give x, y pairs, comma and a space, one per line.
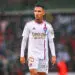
39, 11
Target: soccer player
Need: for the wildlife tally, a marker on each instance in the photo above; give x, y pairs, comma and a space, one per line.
39, 32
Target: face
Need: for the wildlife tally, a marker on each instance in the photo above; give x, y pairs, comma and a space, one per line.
39, 12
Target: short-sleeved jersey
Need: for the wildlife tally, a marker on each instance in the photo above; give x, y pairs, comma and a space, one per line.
38, 38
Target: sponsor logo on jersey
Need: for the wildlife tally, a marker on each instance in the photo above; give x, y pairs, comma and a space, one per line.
38, 35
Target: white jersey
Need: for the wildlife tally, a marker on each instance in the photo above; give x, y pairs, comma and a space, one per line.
38, 38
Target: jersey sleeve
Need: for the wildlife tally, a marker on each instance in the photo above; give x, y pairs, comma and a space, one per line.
26, 31
51, 42
24, 40
50, 32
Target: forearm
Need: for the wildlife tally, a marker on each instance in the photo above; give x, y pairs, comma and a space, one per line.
23, 46
52, 47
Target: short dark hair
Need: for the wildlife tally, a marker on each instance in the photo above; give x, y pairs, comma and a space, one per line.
38, 5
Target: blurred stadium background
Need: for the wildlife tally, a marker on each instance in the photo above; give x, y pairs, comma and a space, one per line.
13, 16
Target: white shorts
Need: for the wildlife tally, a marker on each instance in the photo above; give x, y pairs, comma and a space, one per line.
41, 65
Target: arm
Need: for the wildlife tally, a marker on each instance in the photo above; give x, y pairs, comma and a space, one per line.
23, 46
23, 43
51, 44
52, 47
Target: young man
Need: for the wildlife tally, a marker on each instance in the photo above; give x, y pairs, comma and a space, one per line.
39, 33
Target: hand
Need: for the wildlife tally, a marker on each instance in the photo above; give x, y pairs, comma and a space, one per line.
53, 60
22, 60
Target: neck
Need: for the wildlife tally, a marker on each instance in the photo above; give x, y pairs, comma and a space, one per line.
39, 20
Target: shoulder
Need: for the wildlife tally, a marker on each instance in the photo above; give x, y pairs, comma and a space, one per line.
50, 29
48, 25
30, 22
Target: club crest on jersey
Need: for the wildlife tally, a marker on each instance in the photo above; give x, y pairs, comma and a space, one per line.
45, 28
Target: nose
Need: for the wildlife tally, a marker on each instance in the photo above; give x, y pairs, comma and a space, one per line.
36, 13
